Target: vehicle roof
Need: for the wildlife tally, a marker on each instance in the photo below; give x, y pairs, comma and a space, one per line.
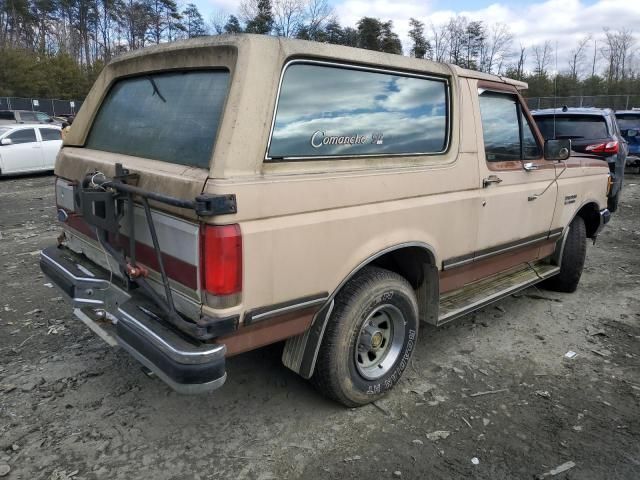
628, 112
304, 48
464, 72
255, 64
573, 111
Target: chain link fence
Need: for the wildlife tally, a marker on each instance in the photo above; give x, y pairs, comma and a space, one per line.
71, 107
616, 102
47, 105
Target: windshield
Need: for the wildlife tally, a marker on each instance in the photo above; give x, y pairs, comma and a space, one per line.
627, 121
572, 126
172, 117
4, 130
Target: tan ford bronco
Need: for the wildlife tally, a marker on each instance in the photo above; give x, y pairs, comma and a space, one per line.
224, 193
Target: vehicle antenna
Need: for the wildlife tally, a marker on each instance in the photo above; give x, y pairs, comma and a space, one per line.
555, 92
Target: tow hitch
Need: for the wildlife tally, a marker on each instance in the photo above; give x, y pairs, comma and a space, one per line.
103, 202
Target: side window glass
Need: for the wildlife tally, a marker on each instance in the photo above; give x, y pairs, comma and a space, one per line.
500, 127
23, 136
50, 134
330, 111
530, 147
28, 117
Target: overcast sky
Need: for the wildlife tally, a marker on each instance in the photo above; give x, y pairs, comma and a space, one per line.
561, 21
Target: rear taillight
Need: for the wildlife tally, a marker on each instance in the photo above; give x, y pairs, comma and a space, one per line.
608, 147
221, 259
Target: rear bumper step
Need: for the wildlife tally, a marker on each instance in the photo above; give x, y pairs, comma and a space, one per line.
185, 365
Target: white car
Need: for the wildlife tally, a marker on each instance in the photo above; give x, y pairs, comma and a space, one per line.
28, 148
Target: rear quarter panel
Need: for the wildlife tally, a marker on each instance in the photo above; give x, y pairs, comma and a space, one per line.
307, 225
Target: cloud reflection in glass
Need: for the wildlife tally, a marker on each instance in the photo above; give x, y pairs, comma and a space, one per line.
326, 111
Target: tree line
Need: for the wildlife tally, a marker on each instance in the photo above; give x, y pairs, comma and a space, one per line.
57, 47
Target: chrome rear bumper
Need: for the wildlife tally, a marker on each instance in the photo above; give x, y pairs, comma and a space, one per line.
136, 325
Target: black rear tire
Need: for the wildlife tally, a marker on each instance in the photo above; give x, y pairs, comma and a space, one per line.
573, 256
342, 372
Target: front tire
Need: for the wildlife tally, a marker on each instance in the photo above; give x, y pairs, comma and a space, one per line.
369, 338
573, 256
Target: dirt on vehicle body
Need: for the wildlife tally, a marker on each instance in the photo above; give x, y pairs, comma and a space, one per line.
325, 195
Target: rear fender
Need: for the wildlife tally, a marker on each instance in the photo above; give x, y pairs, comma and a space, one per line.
300, 352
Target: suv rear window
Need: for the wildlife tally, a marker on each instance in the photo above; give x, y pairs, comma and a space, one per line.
171, 117
572, 126
335, 111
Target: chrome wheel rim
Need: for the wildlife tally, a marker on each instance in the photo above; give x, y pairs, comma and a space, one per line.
379, 342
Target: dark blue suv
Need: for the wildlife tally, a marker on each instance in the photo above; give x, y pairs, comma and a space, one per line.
592, 131
629, 123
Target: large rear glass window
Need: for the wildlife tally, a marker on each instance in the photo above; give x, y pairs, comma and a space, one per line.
334, 111
628, 120
572, 126
172, 117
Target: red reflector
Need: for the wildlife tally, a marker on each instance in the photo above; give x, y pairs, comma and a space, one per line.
609, 147
221, 259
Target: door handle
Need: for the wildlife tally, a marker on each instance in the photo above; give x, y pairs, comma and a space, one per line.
530, 166
490, 179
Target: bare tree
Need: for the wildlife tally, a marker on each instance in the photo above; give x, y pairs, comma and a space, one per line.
577, 55
291, 17
217, 21
317, 14
288, 17
496, 49
247, 9
457, 36
617, 51
542, 58
595, 53
522, 58
440, 42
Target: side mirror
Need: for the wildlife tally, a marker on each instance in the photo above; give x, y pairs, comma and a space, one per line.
631, 133
557, 150
6, 141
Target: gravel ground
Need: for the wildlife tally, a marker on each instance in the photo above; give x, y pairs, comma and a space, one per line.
73, 408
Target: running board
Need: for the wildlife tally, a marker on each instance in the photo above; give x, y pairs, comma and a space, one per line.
483, 292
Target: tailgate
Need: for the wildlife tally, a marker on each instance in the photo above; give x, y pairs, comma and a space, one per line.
110, 221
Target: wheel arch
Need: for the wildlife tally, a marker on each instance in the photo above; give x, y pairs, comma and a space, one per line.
590, 213
300, 352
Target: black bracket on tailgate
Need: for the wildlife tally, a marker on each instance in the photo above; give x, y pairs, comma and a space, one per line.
102, 202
